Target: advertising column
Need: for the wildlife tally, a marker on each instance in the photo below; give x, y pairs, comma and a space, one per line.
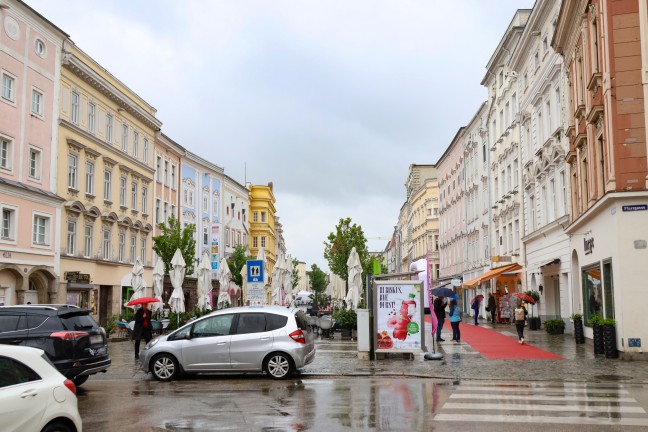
398, 307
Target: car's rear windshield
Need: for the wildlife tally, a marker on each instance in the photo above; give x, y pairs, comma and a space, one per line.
78, 322
302, 323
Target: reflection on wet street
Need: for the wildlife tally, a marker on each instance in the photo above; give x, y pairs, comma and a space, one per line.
255, 403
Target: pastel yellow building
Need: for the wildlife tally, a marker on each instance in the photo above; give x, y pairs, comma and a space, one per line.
106, 172
262, 225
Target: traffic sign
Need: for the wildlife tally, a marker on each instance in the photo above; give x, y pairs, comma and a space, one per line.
255, 271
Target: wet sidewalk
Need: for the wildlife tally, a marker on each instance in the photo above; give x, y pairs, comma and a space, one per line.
337, 357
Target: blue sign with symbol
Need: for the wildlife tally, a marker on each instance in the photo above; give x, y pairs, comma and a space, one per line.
255, 271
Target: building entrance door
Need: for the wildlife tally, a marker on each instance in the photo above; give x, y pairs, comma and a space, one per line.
105, 303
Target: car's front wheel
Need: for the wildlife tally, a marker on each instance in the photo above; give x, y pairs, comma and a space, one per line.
164, 367
279, 366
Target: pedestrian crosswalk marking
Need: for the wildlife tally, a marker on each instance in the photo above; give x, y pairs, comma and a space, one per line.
505, 418
538, 407
557, 403
539, 397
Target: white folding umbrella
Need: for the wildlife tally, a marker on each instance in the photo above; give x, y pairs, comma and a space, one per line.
137, 280
204, 282
288, 281
277, 280
355, 280
224, 277
177, 273
158, 277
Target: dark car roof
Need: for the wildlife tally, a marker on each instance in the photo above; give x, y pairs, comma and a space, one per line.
48, 309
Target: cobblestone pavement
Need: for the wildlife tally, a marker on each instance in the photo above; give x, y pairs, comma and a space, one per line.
336, 357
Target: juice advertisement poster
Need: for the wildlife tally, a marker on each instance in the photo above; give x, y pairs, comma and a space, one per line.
399, 316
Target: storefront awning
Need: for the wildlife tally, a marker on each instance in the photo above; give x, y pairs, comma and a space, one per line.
552, 262
491, 274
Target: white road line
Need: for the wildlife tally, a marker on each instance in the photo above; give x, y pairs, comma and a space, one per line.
536, 407
541, 419
537, 397
518, 389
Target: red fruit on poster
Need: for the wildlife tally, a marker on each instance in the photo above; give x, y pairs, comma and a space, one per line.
400, 333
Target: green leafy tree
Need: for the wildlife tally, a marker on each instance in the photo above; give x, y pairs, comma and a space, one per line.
175, 237
237, 261
317, 282
295, 273
338, 247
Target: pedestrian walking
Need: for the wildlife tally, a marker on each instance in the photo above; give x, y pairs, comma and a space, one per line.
439, 305
142, 328
520, 314
491, 307
475, 307
455, 319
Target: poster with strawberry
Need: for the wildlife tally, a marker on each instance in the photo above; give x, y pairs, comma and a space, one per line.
399, 316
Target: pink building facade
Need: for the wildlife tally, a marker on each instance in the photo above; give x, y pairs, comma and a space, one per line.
452, 212
30, 50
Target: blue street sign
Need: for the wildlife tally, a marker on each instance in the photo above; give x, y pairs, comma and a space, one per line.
255, 271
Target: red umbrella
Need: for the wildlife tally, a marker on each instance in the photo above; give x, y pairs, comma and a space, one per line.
142, 300
479, 297
524, 297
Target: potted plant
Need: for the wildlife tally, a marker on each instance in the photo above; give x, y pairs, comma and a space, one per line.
579, 334
597, 330
609, 338
110, 326
555, 326
347, 320
534, 322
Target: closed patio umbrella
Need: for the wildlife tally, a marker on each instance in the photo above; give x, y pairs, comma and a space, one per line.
177, 273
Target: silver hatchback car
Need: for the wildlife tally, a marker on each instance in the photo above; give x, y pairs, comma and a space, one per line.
273, 339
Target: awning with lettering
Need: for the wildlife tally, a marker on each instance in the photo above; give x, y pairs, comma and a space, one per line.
490, 274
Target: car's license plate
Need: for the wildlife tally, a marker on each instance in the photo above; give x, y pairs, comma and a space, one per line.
96, 339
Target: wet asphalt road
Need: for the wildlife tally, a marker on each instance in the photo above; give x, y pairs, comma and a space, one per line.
339, 392
255, 403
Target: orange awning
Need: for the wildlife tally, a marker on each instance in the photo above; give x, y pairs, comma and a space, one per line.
490, 274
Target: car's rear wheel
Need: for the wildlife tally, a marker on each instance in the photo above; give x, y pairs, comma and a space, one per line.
279, 366
58, 426
79, 380
164, 367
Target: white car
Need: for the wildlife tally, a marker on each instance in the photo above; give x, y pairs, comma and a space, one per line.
34, 396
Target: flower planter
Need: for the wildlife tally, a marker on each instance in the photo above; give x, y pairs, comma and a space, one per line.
579, 334
346, 333
557, 331
599, 347
534, 323
609, 342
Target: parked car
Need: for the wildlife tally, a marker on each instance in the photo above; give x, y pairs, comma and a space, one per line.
34, 396
271, 339
72, 340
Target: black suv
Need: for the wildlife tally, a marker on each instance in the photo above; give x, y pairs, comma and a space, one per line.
69, 336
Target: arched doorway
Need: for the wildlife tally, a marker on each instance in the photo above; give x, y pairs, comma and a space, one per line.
11, 282
40, 287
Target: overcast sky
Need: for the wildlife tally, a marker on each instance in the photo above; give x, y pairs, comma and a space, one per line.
329, 100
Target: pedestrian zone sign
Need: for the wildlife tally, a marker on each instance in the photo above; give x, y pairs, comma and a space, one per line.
255, 271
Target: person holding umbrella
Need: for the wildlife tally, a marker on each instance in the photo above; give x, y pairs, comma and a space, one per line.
439, 310
474, 305
142, 328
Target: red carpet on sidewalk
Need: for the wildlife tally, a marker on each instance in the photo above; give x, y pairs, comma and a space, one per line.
494, 345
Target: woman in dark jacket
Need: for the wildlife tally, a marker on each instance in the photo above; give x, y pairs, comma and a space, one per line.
142, 328
492, 307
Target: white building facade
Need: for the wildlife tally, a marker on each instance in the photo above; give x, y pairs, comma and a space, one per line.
545, 177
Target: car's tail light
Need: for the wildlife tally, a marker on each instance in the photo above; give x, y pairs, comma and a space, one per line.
298, 336
70, 385
69, 335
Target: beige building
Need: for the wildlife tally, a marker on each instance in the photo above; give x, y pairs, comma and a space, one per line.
105, 165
